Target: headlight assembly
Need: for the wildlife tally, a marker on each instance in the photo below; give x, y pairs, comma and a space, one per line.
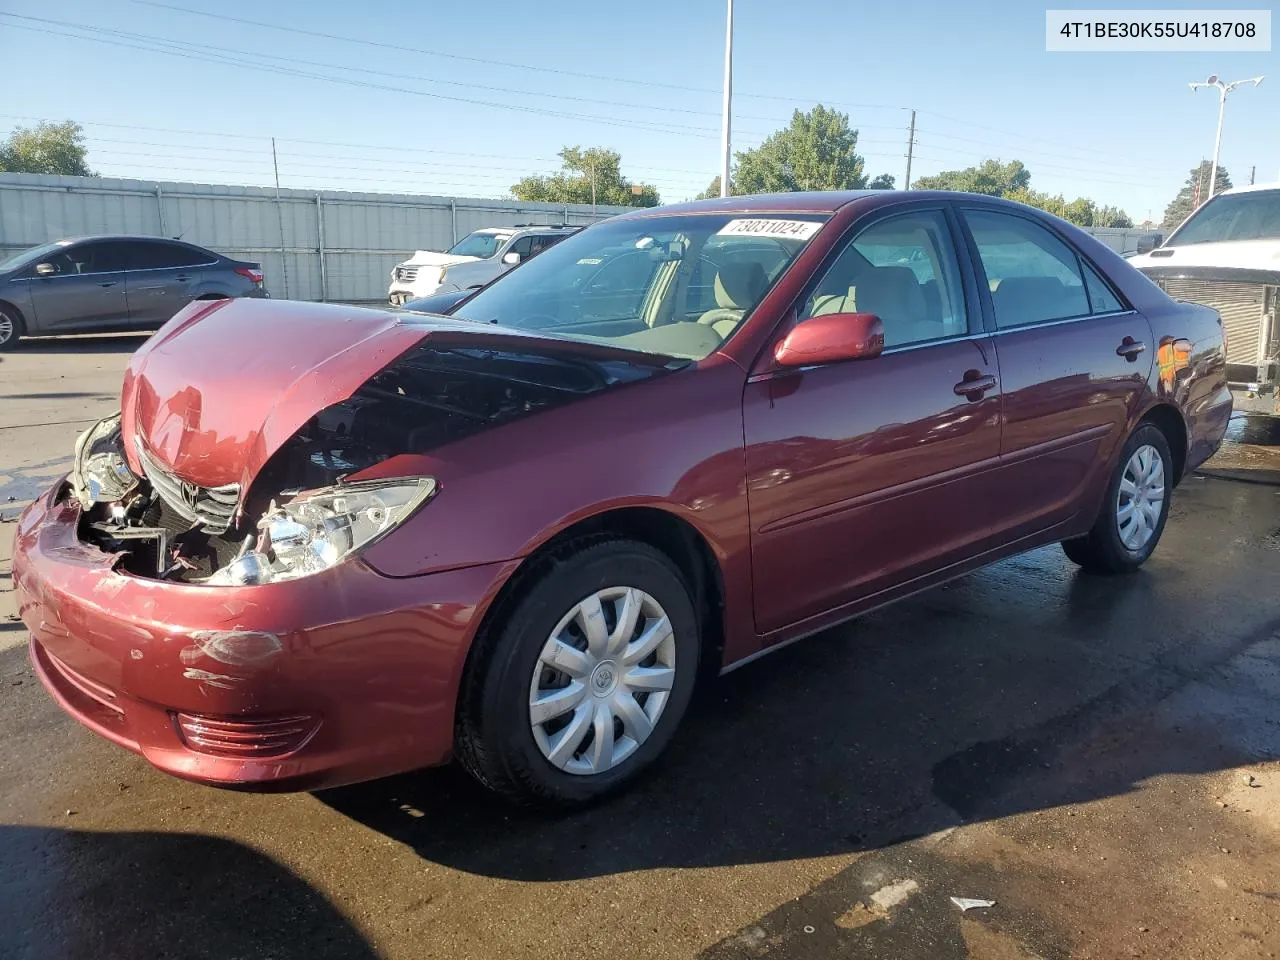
100, 473
316, 530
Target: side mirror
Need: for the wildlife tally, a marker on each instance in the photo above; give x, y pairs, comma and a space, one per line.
512, 258
831, 338
45, 269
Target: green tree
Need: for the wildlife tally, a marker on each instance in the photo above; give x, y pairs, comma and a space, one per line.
46, 148
883, 182
593, 175
992, 178
1111, 217
712, 191
816, 151
1180, 207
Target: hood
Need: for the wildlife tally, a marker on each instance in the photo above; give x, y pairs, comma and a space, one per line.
429, 258
225, 384
1234, 254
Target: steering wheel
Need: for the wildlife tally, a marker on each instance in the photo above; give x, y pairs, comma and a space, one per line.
721, 313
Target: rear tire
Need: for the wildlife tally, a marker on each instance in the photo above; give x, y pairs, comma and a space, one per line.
11, 327
1134, 510
583, 681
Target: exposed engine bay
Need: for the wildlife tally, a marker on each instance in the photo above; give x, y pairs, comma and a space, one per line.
307, 508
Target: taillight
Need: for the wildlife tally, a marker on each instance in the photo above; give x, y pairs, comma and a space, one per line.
253, 274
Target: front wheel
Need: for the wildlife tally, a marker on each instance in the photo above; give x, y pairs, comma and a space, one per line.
10, 328
1135, 509
583, 682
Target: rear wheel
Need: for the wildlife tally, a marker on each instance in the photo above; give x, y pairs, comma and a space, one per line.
11, 327
583, 683
1135, 509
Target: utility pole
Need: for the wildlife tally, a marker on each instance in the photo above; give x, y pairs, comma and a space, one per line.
284, 260
1223, 90
728, 101
911, 143
1252, 171
593, 183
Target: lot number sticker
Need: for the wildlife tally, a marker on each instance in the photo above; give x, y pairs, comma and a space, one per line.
782, 229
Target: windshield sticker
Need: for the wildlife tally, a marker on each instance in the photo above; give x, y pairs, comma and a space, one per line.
591, 260
782, 229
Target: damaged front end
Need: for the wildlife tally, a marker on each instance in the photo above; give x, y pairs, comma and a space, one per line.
316, 499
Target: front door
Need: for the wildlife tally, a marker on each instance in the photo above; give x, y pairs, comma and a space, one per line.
866, 474
85, 291
1074, 361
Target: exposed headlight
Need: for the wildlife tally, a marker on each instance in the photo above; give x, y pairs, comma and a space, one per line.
317, 530
100, 473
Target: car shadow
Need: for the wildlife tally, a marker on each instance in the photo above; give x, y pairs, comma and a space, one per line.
99, 343
82, 895
972, 701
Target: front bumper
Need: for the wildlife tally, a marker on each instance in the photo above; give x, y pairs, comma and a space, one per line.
400, 293
367, 665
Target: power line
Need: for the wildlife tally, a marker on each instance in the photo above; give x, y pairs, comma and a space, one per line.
211, 57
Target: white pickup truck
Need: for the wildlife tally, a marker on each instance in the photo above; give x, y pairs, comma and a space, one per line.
1226, 255
471, 262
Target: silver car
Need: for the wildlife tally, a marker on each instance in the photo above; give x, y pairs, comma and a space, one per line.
100, 284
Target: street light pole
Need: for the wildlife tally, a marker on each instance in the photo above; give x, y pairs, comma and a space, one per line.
728, 100
1223, 90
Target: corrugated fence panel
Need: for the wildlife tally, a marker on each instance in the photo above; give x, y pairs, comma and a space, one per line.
364, 234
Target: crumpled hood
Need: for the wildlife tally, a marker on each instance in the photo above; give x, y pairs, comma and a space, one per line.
429, 258
225, 383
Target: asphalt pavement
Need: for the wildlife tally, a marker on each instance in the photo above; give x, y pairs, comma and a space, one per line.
1098, 756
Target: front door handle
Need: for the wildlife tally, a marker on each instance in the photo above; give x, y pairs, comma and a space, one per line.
974, 385
182, 279
1130, 348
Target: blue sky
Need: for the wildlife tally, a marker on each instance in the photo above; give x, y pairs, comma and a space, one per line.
485, 92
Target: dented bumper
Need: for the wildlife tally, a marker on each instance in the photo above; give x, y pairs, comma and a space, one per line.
333, 678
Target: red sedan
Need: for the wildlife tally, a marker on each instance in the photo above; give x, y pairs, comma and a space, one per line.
322, 544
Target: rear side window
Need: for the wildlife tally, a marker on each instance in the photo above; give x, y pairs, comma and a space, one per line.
1101, 299
149, 255
1033, 276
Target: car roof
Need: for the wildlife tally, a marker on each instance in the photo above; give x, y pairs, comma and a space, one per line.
811, 202
121, 236
1254, 188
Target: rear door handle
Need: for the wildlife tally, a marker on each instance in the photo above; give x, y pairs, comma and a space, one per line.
182, 279
108, 283
973, 387
1130, 348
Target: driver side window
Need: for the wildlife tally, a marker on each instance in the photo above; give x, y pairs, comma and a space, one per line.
904, 270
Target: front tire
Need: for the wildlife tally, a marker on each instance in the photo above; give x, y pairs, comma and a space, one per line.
583, 681
11, 327
1135, 509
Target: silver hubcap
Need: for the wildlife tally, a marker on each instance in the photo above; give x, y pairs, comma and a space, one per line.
602, 680
6, 329
1140, 498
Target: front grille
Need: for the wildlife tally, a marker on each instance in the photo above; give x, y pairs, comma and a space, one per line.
212, 507
406, 274
1241, 306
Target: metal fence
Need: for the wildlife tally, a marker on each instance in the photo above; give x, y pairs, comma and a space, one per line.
1127, 239
326, 245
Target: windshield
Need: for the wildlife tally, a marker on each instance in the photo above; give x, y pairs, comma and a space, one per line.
1232, 216
31, 254
482, 245
672, 285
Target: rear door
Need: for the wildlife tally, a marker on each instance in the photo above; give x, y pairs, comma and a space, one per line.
86, 291
162, 276
1074, 361
866, 474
